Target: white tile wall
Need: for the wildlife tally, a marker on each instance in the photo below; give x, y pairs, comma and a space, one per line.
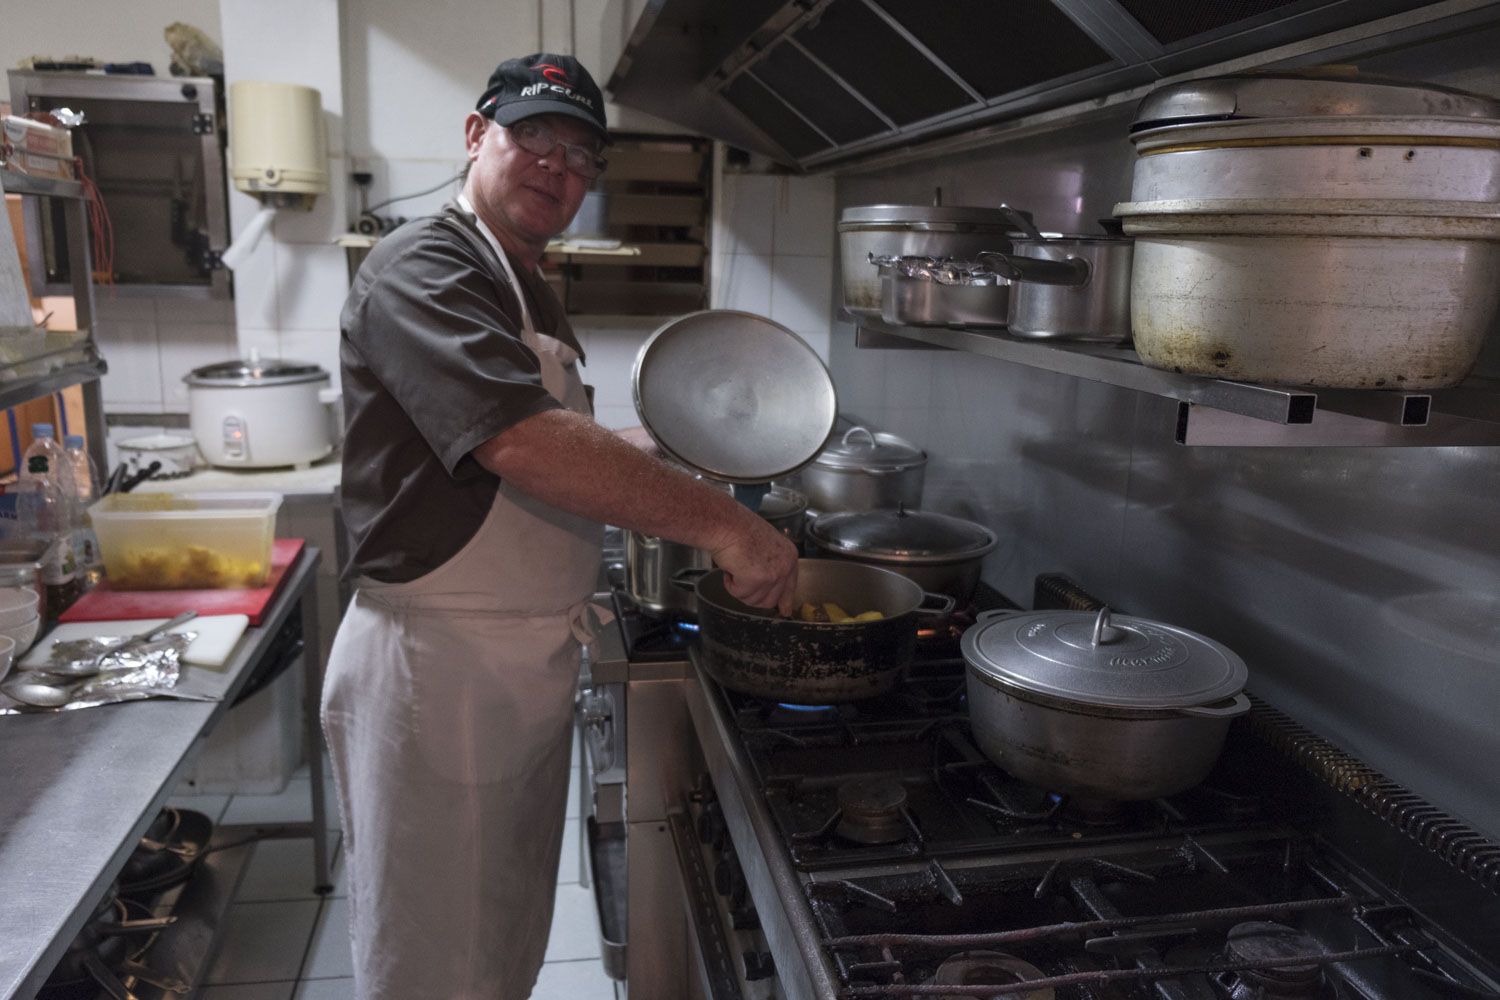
311, 282
801, 289
134, 381
399, 177
185, 346
743, 281
746, 204
773, 252
802, 217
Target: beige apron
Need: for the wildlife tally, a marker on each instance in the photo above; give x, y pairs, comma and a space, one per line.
447, 708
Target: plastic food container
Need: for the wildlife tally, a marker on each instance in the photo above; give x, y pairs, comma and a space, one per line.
180, 541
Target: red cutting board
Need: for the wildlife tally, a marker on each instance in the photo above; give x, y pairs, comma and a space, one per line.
103, 604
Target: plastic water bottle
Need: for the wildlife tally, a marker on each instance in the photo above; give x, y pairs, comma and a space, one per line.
85, 476
86, 486
58, 469
49, 515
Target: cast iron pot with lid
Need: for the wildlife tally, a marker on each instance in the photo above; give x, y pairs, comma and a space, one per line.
1099, 706
865, 470
941, 554
255, 413
757, 652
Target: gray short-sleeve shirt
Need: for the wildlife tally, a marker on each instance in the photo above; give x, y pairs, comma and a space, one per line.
433, 366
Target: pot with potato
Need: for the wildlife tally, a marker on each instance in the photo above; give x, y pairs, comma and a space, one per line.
851, 638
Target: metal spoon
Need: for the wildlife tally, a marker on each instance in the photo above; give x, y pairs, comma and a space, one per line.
38, 694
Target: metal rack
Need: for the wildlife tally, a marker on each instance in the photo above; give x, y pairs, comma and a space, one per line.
65, 358
1238, 414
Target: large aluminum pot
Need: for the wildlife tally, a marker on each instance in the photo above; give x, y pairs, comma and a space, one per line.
1318, 133
1282, 292
755, 651
910, 231
865, 470
1097, 707
941, 554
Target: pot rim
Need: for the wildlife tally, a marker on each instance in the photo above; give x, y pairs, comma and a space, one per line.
1087, 708
770, 616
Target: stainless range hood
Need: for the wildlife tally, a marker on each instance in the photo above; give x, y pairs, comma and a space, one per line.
817, 82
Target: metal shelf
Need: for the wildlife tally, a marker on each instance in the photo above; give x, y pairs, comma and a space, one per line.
1238, 414
23, 388
18, 183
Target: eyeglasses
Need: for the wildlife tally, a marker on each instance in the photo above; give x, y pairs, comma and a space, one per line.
539, 140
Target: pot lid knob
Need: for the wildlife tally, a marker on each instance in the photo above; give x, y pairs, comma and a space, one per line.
1104, 632
851, 432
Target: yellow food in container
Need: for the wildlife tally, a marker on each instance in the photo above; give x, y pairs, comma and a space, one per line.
186, 541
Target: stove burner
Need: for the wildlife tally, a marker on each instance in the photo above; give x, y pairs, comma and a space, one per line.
804, 708
1263, 941
989, 968
872, 811
1094, 811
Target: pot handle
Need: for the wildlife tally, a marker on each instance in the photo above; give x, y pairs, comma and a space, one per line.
687, 579
334, 400
1104, 632
1022, 221
1239, 706
942, 603
1074, 271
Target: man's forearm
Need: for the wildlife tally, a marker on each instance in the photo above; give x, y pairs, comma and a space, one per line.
566, 460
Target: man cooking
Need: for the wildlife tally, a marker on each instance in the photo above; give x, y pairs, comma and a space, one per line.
475, 482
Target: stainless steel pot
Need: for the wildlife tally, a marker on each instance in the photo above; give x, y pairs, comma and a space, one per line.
865, 470
941, 554
659, 574
1098, 707
911, 230
755, 651
948, 295
1067, 287
785, 510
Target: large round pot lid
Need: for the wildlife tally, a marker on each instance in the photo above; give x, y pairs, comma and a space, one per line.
734, 396
253, 371
904, 536
1099, 659
877, 451
969, 217
1305, 94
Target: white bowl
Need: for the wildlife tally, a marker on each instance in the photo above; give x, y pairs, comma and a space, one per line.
17, 604
23, 634
7, 653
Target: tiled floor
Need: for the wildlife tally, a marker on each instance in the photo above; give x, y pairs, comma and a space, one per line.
283, 942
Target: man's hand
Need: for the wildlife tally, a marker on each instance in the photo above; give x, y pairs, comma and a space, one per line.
760, 566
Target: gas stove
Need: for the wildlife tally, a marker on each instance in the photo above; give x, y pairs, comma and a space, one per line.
878, 853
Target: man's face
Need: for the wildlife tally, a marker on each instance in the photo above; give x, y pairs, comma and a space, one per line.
527, 197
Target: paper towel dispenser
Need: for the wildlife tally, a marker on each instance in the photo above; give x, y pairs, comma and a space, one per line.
278, 150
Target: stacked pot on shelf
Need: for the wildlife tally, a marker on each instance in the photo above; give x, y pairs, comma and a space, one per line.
1318, 228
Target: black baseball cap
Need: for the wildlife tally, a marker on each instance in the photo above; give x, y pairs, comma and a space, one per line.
543, 83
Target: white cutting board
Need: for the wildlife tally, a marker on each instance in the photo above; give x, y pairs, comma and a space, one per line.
217, 636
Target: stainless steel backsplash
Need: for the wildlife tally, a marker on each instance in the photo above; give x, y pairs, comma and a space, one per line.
1362, 586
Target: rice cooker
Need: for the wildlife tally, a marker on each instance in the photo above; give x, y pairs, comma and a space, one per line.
255, 414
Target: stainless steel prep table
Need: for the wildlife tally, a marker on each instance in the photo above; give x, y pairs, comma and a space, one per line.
78, 789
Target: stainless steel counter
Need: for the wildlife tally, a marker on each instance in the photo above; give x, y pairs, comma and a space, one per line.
78, 790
